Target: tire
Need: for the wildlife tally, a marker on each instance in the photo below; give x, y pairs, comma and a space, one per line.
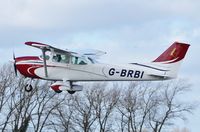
71, 92
28, 88
58, 91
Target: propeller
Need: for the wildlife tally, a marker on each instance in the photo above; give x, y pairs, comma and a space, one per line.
15, 67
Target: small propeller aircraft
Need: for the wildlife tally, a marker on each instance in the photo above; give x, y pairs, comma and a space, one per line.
66, 67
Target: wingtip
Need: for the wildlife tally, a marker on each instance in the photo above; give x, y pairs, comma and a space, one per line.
35, 44
27, 43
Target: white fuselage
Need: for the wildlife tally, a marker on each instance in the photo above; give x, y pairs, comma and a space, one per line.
100, 72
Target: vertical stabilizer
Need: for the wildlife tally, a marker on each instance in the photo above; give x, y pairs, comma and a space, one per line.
172, 58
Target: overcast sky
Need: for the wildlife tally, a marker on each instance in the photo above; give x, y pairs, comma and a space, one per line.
128, 30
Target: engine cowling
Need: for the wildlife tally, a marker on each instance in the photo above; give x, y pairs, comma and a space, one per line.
64, 86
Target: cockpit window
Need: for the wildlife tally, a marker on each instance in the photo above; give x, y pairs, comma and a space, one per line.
66, 58
61, 58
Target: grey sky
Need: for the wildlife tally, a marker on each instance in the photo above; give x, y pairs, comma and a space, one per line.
129, 30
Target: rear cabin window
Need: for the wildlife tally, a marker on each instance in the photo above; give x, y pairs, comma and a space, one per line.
78, 61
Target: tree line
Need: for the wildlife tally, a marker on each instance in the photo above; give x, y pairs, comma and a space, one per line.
101, 106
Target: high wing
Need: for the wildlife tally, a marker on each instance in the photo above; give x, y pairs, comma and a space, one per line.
88, 53
47, 47
92, 53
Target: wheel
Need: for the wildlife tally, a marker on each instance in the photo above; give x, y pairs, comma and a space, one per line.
58, 91
71, 92
28, 88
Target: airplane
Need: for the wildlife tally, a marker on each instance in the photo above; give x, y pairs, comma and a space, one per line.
65, 67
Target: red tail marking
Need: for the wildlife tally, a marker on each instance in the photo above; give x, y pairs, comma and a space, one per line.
175, 52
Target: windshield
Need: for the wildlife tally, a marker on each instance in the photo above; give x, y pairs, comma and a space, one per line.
47, 57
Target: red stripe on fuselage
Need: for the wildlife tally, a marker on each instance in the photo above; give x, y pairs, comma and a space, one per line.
25, 58
28, 70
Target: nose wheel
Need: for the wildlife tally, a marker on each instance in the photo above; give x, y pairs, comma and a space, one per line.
28, 88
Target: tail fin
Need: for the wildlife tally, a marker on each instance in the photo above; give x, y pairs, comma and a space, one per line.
172, 58
175, 53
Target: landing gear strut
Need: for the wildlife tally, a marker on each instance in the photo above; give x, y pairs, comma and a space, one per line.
71, 88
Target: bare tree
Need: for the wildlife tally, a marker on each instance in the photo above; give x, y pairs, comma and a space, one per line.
63, 115
6, 78
169, 107
105, 101
85, 114
152, 105
14, 110
22, 110
135, 107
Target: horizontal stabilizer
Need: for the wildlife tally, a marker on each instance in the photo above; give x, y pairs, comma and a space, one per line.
159, 76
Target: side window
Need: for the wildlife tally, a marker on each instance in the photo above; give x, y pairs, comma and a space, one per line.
74, 60
65, 59
82, 62
78, 61
56, 58
61, 58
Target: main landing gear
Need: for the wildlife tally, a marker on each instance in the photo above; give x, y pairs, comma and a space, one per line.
71, 88
71, 92
59, 86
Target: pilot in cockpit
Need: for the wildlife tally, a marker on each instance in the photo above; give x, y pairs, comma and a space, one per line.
57, 58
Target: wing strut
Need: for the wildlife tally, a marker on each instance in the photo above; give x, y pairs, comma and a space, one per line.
45, 62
